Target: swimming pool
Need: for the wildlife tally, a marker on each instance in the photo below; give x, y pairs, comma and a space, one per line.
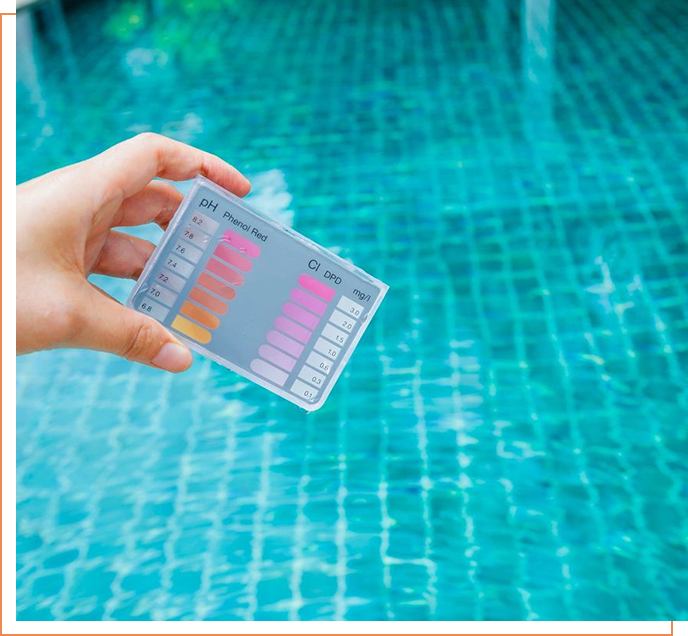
509, 440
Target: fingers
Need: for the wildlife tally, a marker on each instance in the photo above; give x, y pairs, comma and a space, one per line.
111, 327
132, 164
157, 202
123, 256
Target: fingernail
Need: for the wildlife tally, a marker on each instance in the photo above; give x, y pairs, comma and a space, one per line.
173, 357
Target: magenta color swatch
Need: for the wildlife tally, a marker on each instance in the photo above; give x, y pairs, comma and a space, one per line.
292, 329
242, 244
316, 287
306, 300
300, 315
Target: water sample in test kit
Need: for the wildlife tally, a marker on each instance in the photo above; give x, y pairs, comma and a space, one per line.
256, 297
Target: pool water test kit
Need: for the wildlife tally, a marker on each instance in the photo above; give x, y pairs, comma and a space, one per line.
256, 296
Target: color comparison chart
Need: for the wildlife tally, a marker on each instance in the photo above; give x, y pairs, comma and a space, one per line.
256, 297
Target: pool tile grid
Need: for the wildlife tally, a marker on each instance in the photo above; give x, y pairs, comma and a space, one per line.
518, 450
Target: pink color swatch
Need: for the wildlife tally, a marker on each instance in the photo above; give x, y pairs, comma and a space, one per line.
286, 344
310, 303
233, 258
316, 287
134, 627
484, 627
223, 627
292, 329
242, 244
581, 627
270, 627
224, 272
300, 315
277, 358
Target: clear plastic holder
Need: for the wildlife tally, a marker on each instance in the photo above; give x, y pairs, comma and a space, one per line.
256, 296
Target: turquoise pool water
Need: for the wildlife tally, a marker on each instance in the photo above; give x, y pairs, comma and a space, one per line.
509, 440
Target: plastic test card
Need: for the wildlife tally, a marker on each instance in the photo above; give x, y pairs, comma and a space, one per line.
256, 297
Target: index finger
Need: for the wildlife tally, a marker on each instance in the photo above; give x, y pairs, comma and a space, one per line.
131, 165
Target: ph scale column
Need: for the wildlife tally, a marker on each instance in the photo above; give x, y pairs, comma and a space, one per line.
179, 264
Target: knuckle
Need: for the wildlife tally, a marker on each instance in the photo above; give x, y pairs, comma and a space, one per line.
142, 341
154, 144
147, 138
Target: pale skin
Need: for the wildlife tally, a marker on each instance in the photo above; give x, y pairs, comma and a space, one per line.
66, 224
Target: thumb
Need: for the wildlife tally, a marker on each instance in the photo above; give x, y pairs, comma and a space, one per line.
111, 327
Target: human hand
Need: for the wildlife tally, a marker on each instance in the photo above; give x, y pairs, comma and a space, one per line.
65, 222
